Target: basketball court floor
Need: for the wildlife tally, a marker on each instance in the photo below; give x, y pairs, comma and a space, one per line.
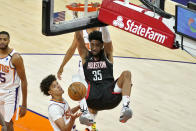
164, 80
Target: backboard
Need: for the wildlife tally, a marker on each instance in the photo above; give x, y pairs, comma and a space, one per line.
58, 16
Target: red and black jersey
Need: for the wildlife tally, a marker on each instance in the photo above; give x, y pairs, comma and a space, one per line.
100, 71
99, 76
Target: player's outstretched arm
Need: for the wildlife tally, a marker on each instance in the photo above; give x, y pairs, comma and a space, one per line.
83, 51
19, 65
67, 57
67, 127
108, 48
62, 126
75, 109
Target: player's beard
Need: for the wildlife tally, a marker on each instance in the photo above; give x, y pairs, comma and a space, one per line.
98, 55
4, 47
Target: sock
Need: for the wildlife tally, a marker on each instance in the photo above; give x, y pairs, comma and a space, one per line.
83, 105
125, 100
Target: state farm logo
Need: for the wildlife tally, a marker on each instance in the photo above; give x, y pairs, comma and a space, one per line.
119, 22
139, 29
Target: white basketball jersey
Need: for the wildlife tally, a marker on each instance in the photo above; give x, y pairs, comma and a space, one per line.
57, 110
9, 79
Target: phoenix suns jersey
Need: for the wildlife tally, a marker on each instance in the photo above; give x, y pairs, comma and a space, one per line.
58, 110
9, 78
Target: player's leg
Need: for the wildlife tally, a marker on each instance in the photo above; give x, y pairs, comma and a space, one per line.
9, 126
2, 123
9, 107
86, 117
8, 112
125, 83
93, 115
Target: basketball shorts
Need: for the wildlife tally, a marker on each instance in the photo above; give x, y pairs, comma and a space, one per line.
103, 97
8, 104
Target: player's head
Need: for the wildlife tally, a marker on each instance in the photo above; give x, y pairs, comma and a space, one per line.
96, 42
89, 30
50, 86
4, 40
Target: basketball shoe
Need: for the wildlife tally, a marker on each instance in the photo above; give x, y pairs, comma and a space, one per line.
86, 118
93, 127
126, 113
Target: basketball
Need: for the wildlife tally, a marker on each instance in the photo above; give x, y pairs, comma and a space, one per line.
77, 91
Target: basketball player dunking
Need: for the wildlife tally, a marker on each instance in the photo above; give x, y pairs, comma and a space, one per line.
103, 91
86, 117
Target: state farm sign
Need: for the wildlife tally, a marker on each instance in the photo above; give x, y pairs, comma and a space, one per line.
139, 29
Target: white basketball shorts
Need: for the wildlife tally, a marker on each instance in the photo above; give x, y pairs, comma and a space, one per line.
8, 104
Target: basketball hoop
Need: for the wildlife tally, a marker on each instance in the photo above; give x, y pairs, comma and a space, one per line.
80, 7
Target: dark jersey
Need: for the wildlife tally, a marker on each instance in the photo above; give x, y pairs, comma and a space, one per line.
99, 76
99, 72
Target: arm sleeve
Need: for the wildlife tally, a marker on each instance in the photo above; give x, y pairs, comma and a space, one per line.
105, 34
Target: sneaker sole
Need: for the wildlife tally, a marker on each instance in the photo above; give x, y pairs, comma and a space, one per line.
85, 121
128, 115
